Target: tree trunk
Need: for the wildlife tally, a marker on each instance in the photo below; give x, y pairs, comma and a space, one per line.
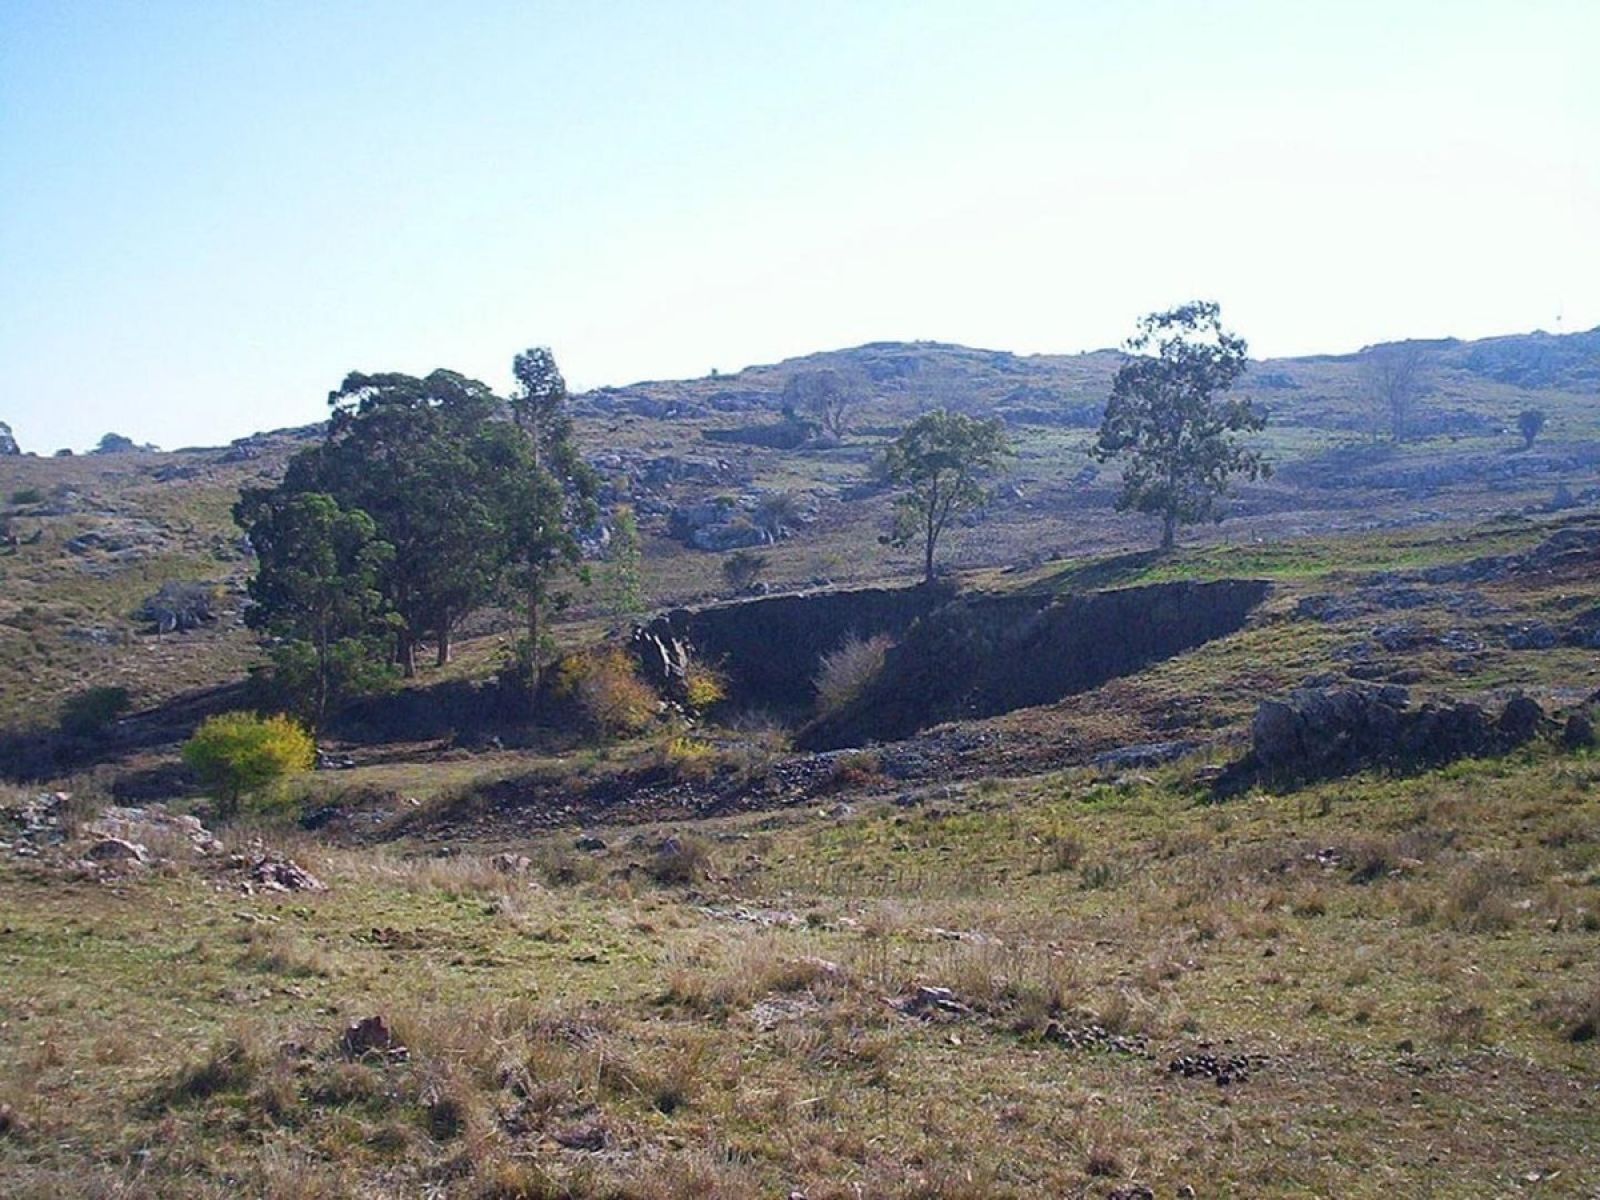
1169, 530
534, 601
927, 561
444, 645
406, 655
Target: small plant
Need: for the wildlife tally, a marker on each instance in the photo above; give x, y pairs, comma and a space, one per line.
686, 759
238, 754
30, 495
845, 673
93, 710
704, 687
680, 860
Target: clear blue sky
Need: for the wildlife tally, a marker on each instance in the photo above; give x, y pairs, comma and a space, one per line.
210, 211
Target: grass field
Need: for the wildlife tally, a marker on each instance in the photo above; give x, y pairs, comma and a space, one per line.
1406, 967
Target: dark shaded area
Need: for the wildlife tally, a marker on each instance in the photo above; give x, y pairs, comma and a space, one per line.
39, 753
982, 655
770, 648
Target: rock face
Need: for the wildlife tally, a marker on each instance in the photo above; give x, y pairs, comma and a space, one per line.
1331, 731
770, 648
8, 443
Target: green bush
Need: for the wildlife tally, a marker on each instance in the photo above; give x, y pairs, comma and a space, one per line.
237, 754
91, 711
27, 496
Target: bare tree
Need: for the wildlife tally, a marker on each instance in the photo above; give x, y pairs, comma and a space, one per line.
826, 395
1395, 377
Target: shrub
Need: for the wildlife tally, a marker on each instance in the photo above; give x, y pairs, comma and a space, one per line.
687, 759
845, 673
27, 496
704, 687
237, 754
604, 684
89, 712
742, 568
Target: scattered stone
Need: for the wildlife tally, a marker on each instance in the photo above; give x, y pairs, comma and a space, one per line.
768, 917
1133, 1191
272, 872
371, 1037
1145, 754
1096, 1037
511, 864
1224, 1068
334, 762
589, 843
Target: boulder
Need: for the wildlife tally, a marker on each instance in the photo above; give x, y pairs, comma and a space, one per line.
371, 1037
115, 850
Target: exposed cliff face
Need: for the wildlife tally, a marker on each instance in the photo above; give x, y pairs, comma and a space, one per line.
979, 656
968, 656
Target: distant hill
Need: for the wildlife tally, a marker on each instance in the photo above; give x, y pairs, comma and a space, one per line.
1472, 382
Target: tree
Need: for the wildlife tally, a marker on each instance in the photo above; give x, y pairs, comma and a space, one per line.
556, 497
238, 753
114, 443
624, 575
941, 458
1530, 423
425, 459
1179, 441
825, 395
1394, 375
316, 590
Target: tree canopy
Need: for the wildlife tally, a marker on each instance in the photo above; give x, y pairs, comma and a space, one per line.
1170, 423
940, 459
428, 498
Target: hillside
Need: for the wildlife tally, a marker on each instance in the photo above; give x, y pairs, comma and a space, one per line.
97, 535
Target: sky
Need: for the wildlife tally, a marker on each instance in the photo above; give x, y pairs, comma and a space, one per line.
211, 212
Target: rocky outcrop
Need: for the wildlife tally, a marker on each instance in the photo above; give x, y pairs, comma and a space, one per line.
1325, 732
8, 443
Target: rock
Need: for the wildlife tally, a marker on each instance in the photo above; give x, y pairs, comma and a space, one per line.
1520, 720
662, 650
1578, 732
115, 850
371, 1037
1132, 1191
274, 873
1534, 636
1146, 754
590, 1136
930, 1003
1320, 732
511, 864
588, 842
154, 825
